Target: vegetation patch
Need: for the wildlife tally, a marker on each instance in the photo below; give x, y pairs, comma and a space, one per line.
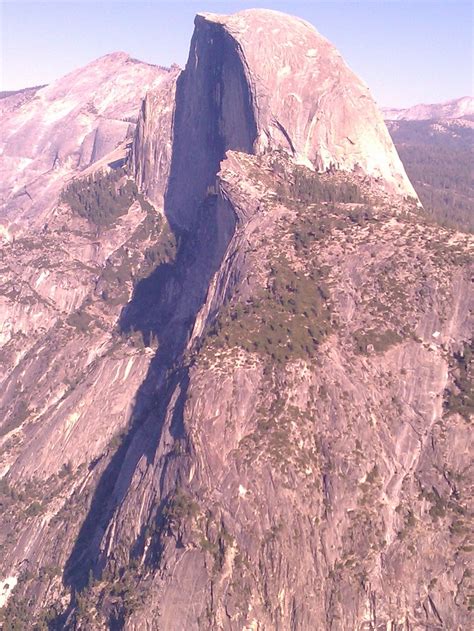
307, 187
152, 245
109, 600
181, 507
19, 413
80, 320
287, 320
439, 165
102, 197
379, 341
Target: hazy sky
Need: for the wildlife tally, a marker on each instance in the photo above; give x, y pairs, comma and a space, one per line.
407, 51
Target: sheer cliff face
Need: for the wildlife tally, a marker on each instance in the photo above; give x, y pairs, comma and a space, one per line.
259, 81
214, 113
152, 147
306, 99
260, 424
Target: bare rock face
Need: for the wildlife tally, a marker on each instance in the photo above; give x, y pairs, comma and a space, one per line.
298, 477
245, 406
152, 148
62, 128
261, 80
305, 98
214, 113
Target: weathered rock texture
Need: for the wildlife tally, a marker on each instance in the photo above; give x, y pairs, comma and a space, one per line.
152, 149
261, 421
303, 95
47, 135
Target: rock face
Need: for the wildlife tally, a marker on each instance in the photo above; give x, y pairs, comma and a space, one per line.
152, 149
214, 113
251, 410
259, 81
304, 97
457, 108
49, 134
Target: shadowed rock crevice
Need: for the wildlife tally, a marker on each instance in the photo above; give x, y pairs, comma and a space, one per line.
214, 113
165, 304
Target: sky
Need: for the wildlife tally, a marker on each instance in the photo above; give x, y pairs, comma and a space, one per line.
407, 51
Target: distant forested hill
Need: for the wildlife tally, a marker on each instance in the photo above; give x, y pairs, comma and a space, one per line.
438, 157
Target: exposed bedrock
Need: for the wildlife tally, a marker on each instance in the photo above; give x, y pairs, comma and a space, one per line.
164, 305
268, 432
256, 81
51, 134
214, 113
304, 97
153, 141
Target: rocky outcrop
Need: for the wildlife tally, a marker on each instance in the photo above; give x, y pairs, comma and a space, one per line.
304, 97
259, 421
292, 491
152, 147
63, 128
214, 113
247, 88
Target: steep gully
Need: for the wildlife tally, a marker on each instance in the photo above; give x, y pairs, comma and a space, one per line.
213, 114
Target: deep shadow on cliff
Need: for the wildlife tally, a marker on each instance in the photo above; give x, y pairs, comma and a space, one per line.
208, 120
163, 305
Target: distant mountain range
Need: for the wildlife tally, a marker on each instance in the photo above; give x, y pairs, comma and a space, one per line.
436, 145
456, 108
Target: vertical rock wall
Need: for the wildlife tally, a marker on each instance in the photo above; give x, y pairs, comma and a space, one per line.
214, 113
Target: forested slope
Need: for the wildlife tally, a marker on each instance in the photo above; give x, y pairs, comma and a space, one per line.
438, 157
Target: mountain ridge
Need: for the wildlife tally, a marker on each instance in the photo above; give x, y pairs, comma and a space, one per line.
454, 108
235, 388
75, 120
